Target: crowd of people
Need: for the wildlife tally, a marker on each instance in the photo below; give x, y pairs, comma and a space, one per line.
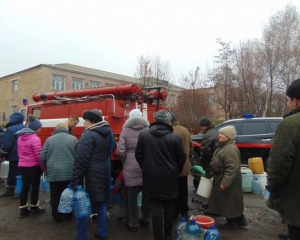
155, 160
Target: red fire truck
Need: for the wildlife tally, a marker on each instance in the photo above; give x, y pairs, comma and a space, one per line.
115, 103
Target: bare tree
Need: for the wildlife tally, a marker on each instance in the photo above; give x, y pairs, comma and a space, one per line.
143, 71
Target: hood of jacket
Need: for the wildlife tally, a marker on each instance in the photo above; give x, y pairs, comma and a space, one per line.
15, 118
159, 129
25, 130
101, 128
136, 123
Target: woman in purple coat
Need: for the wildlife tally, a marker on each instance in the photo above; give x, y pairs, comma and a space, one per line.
132, 128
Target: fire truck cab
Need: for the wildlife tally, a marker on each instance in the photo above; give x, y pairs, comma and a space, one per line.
115, 103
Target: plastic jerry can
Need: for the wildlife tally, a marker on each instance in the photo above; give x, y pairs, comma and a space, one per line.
256, 165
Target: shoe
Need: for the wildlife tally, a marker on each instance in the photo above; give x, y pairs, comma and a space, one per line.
16, 196
144, 224
132, 229
94, 219
241, 221
24, 211
122, 219
231, 225
99, 237
284, 235
37, 210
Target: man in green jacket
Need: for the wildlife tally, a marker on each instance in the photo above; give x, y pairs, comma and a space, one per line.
284, 165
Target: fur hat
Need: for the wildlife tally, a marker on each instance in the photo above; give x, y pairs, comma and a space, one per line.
63, 125
293, 90
34, 123
229, 131
94, 115
135, 113
174, 118
205, 122
163, 116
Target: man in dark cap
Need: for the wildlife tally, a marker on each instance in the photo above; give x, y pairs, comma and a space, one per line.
161, 157
9, 151
284, 164
210, 138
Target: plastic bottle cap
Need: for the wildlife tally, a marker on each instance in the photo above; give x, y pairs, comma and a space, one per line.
193, 222
213, 227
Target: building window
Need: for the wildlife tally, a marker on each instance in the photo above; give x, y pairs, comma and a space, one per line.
58, 82
109, 85
95, 84
211, 98
14, 85
77, 83
14, 108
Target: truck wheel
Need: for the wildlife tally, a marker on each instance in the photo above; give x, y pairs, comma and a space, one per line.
194, 158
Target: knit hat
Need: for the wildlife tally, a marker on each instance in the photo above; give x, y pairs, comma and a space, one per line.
174, 118
63, 125
135, 113
163, 116
34, 123
229, 131
94, 115
205, 122
293, 90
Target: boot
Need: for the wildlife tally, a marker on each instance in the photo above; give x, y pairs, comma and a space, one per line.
36, 209
24, 211
241, 221
10, 192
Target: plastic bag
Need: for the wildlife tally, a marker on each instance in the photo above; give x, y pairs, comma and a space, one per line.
44, 184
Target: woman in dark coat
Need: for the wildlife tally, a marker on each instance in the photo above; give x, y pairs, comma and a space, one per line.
227, 196
91, 163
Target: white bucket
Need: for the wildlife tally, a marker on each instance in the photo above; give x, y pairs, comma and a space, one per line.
262, 179
4, 169
204, 188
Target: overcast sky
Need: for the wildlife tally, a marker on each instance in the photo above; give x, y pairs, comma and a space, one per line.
110, 35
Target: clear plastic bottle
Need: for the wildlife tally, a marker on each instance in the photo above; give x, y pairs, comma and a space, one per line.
178, 229
256, 186
66, 200
82, 203
193, 228
212, 234
139, 199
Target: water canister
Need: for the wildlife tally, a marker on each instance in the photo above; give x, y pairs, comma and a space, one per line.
4, 169
212, 234
18, 184
193, 229
82, 203
178, 229
139, 199
256, 165
204, 187
256, 186
66, 200
262, 179
247, 179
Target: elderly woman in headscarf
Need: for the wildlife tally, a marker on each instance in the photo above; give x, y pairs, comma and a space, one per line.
226, 196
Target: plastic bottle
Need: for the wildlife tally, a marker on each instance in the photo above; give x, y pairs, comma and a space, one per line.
182, 222
193, 228
212, 234
256, 186
66, 200
139, 199
82, 203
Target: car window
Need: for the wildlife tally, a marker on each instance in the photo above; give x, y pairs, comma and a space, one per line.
255, 127
234, 124
274, 125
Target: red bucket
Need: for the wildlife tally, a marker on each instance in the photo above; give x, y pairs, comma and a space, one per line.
204, 221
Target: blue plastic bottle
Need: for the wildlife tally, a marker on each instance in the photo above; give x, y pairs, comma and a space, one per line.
66, 200
193, 228
182, 222
139, 199
256, 186
212, 234
82, 203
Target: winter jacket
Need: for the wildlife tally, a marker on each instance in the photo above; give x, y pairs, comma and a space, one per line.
9, 147
58, 155
126, 150
226, 169
91, 162
161, 157
208, 145
283, 169
187, 146
29, 148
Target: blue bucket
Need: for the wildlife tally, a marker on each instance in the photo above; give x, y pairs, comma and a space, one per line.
19, 184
